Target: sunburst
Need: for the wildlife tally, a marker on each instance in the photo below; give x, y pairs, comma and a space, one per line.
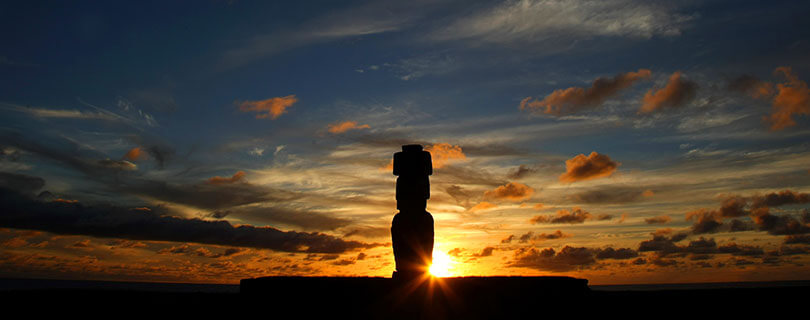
443, 265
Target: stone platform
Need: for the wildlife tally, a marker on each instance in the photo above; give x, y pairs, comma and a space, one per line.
386, 298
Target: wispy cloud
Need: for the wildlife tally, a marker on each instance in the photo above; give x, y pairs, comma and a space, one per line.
61, 113
541, 20
374, 17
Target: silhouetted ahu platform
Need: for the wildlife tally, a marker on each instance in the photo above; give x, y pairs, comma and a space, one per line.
378, 297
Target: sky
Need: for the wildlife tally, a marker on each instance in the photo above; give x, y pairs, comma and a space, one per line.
620, 141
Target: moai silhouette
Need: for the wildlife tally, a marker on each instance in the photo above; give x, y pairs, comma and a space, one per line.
412, 228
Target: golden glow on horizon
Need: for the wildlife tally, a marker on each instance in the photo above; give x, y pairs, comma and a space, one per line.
443, 266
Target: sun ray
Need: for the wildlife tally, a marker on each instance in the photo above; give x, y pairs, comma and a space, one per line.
443, 265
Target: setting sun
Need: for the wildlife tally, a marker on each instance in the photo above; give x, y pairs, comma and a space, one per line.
443, 265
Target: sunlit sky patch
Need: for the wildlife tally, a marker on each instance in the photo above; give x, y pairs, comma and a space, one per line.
620, 141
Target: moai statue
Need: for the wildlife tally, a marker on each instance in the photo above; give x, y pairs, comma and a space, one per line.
412, 228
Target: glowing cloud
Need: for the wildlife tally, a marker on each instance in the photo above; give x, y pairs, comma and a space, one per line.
482, 206
574, 99
676, 93
441, 153
512, 191
793, 98
135, 154
271, 108
344, 126
593, 166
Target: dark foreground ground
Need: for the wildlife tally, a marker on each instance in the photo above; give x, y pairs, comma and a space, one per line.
382, 298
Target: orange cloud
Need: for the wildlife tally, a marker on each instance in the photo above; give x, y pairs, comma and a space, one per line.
388, 167
344, 126
512, 191
441, 153
135, 154
271, 108
574, 99
676, 93
793, 98
483, 206
239, 176
591, 167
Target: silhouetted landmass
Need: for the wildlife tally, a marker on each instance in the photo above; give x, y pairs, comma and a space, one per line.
364, 298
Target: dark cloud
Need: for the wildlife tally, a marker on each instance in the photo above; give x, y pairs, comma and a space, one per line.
279, 215
203, 195
575, 99
663, 243
658, 220
461, 195
200, 195
122, 165
758, 207
737, 225
741, 250
781, 198
664, 262
677, 92
567, 259
804, 239
701, 249
17, 211
186, 249
368, 232
733, 207
618, 254
530, 236
218, 214
521, 172
706, 221
486, 252
783, 224
344, 262
701, 246
20, 182
574, 216
508, 239
603, 217
593, 166
751, 85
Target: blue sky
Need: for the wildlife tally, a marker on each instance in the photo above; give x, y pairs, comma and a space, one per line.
84, 83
